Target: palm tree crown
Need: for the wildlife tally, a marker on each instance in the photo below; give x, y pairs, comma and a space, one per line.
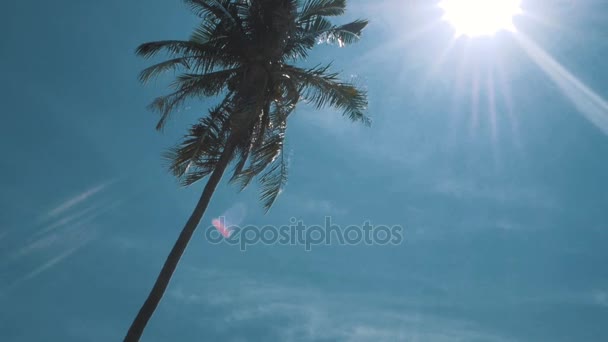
236, 39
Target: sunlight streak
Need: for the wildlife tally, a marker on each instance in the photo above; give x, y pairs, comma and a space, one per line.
475, 101
394, 45
507, 99
590, 104
492, 105
438, 64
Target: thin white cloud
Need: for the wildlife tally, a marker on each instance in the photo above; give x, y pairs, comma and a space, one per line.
60, 257
86, 215
48, 241
323, 207
128, 243
69, 219
38, 244
562, 297
58, 241
309, 314
53, 250
601, 298
469, 189
78, 199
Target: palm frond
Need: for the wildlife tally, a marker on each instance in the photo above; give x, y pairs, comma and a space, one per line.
289, 92
199, 151
265, 155
242, 155
191, 85
214, 8
169, 65
208, 84
321, 30
325, 8
273, 181
173, 47
325, 89
312, 28
209, 32
305, 37
341, 35
197, 56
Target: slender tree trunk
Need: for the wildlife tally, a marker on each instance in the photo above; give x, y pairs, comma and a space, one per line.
156, 294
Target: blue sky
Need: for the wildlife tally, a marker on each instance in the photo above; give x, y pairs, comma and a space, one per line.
505, 215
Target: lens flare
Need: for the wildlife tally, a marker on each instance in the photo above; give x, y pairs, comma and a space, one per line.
230, 218
220, 225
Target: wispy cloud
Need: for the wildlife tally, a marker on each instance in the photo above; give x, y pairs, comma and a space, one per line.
78, 199
470, 189
65, 230
37, 244
86, 215
311, 314
601, 298
323, 207
52, 239
52, 249
69, 219
131, 243
90, 236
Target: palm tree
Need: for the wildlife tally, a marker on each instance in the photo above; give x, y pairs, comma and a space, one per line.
242, 51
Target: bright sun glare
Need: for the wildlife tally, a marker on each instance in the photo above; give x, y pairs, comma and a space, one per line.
480, 17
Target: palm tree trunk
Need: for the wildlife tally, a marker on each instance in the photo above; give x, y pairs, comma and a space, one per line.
162, 281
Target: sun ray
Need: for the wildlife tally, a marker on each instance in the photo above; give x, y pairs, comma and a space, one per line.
492, 105
475, 101
588, 103
507, 99
435, 67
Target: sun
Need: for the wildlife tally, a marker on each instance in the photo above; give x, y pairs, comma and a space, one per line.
480, 17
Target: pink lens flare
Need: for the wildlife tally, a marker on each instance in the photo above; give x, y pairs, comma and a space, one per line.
229, 219
221, 227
